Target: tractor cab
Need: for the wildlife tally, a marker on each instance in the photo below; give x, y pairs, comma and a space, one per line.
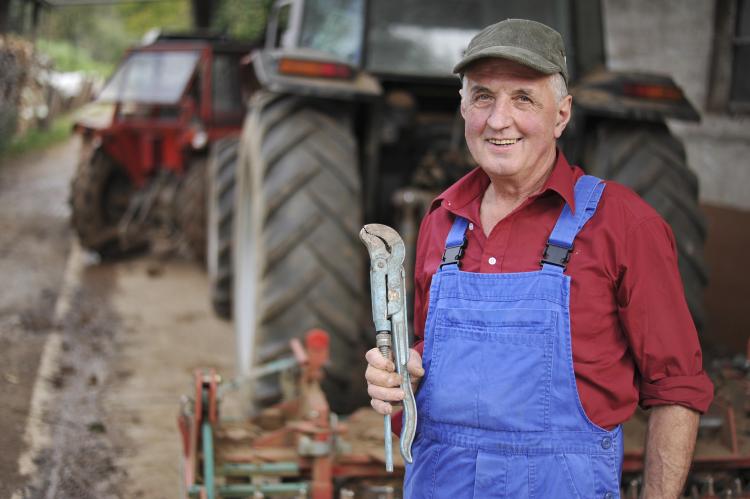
161, 85
171, 98
168, 102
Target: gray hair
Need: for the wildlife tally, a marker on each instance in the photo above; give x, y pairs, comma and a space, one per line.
557, 82
559, 87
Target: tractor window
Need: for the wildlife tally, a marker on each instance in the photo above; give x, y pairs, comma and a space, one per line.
427, 38
279, 32
729, 88
151, 78
334, 26
225, 86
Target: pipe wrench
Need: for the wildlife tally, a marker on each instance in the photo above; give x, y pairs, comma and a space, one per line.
388, 290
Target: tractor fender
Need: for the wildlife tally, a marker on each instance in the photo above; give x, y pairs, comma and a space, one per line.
265, 64
633, 96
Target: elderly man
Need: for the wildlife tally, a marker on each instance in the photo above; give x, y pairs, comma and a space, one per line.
544, 323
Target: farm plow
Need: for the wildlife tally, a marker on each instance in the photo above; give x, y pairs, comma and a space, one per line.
297, 448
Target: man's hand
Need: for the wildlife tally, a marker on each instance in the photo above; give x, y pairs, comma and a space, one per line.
670, 442
383, 383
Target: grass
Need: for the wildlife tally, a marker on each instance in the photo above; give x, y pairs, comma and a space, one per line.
36, 139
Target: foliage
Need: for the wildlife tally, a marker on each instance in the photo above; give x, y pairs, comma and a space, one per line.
68, 57
38, 139
243, 19
96, 30
94, 37
104, 32
15, 13
140, 17
8, 123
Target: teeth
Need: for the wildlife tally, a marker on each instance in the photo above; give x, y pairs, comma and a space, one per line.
503, 142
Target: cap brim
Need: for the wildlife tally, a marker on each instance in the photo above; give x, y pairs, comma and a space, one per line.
515, 54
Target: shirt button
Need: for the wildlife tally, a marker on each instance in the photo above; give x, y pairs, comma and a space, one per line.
606, 444
471, 226
492, 260
609, 495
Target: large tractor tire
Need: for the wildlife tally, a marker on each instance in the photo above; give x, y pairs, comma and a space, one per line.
222, 167
298, 261
651, 161
191, 207
99, 196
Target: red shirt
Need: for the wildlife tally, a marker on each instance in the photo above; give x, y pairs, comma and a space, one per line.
632, 334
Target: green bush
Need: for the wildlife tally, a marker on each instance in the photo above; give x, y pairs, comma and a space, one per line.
36, 139
8, 125
243, 19
67, 57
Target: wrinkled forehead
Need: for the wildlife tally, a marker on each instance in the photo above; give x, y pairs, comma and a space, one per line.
496, 68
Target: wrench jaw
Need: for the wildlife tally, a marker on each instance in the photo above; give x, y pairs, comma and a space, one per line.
375, 245
388, 290
378, 276
394, 245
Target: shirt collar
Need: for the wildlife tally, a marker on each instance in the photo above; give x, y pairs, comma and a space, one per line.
471, 186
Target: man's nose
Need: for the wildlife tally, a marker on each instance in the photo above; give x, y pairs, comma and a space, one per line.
500, 117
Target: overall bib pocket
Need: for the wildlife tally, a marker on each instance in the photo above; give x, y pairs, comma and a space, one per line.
473, 351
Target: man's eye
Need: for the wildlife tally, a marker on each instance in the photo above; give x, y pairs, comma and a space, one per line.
483, 98
524, 98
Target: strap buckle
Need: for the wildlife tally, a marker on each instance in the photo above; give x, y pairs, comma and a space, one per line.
453, 254
556, 255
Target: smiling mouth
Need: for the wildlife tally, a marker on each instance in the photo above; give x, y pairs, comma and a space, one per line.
503, 142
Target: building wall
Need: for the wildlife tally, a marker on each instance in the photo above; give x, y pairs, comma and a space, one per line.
676, 37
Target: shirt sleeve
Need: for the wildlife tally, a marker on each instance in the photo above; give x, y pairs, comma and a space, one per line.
657, 321
421, 284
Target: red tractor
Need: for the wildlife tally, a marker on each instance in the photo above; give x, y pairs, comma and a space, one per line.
142, 170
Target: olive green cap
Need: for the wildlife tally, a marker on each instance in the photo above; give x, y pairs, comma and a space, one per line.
530, 43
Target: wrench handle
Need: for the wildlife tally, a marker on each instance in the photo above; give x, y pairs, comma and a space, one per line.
388, 443
409, 428
384, 344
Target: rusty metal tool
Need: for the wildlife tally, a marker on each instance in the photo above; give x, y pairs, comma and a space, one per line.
388, 290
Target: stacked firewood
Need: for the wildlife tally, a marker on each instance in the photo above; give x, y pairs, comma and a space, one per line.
32, 93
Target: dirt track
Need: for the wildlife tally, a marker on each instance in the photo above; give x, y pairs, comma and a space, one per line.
129, 340
34, 241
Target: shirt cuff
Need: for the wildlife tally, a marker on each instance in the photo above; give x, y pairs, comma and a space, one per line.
694, 392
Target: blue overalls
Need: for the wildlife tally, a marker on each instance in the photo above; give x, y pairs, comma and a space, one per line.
499, 413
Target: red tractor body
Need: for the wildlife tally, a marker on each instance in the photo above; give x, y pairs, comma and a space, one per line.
169, 101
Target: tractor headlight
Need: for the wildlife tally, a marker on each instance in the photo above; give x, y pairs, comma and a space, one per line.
199, 140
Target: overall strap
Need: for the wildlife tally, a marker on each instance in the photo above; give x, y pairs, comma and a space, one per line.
455, 244
588, 191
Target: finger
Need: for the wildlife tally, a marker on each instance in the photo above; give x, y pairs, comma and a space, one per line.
382, 378
381, 407
376, 359
386, 394
414, 365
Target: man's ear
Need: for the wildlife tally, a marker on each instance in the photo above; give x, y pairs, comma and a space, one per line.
564, 111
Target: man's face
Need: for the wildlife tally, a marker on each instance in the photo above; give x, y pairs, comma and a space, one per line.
512, 118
